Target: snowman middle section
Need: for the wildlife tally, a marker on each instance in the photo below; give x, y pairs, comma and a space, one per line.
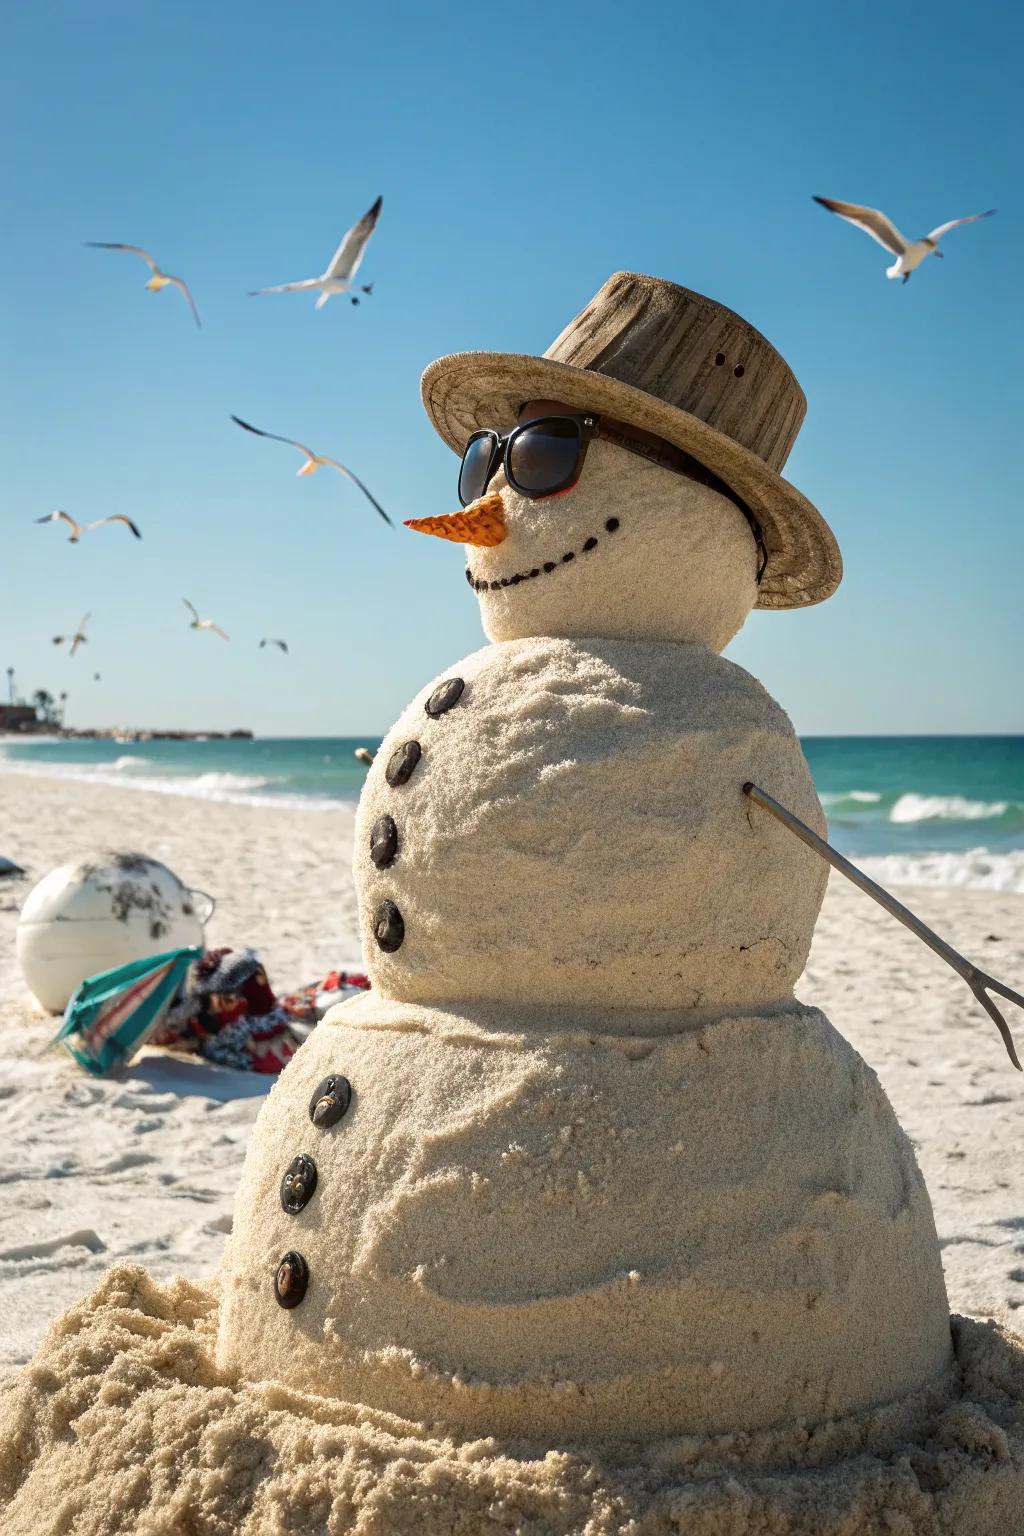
588, 1170
561, 821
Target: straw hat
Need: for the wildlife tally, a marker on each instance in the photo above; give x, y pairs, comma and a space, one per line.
647, 352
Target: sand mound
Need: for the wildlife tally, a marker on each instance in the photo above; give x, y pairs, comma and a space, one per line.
123, 1423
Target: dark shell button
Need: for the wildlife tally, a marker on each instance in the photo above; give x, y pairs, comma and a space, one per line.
388, 927
330, 1101
298, 1184
402, 763
291, 1279
444, 696
383, 841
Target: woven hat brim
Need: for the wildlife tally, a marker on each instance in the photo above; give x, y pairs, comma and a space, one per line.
469, 390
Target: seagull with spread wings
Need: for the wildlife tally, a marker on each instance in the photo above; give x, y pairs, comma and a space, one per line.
77, 529
78, 638
280, 643
198, 623
909, 253
159, 279
343, 265
314, 462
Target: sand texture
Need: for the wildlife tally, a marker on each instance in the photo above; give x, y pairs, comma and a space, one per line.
575, 833
123, 1423
126, 1422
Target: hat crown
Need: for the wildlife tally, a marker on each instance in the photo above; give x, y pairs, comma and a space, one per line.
692, 353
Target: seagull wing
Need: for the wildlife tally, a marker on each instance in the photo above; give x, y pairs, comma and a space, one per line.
136, 250
944, 229
190, 608
307, 282
218, 631
180, 283
871, 221
83, 621
345, 261
279, 643
115, 517
274, 436
356, 481
53, 517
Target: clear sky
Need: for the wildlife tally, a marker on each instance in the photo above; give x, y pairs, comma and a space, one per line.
523, 155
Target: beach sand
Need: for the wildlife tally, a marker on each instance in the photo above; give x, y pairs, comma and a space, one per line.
144, 1168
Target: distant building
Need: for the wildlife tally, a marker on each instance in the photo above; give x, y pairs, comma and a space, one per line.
17, 717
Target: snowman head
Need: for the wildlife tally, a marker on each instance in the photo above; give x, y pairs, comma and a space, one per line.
692, 417
642, 543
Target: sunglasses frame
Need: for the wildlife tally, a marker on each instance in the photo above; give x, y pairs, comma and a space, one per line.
589, 426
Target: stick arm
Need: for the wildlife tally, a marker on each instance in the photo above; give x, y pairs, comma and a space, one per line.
980, 983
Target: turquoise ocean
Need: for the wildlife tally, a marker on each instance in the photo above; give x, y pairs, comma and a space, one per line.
939, 810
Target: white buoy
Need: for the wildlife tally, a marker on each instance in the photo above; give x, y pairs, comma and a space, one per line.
99, 912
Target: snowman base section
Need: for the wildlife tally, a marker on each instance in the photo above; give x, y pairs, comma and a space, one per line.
124, 1422
587, 1224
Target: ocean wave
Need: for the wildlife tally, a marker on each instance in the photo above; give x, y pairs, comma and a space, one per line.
126, 761
856, 796
912, 807
226, 788
978, 869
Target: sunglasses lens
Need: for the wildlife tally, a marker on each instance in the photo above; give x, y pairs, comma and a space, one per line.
475, 465
545, 455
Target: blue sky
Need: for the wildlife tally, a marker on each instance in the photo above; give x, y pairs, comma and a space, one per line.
523, 155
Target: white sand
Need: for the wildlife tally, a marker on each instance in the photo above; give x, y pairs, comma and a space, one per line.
144, 1167
146, 1170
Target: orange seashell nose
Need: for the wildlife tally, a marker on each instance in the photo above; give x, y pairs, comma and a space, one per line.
482, 523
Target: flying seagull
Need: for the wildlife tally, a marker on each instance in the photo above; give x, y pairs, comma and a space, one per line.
909, 253
159, 279
283, 644
343, 266
314, 461
198, 623
78, 638
77, 529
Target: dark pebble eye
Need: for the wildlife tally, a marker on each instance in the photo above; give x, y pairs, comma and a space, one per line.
738, 371
719, 359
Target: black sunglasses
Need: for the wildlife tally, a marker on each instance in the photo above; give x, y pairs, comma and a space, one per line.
545, 456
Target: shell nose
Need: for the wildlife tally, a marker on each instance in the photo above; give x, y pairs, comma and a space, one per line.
482, 523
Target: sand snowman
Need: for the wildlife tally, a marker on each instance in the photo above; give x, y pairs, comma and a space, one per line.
579, 1223
581, 1164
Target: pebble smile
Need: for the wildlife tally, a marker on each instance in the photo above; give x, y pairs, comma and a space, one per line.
539, 570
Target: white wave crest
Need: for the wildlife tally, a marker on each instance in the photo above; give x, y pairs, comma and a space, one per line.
863, 796
977, 869
126, 761
911, 807
229, 788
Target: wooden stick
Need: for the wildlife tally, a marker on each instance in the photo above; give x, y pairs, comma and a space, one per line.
979, 982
